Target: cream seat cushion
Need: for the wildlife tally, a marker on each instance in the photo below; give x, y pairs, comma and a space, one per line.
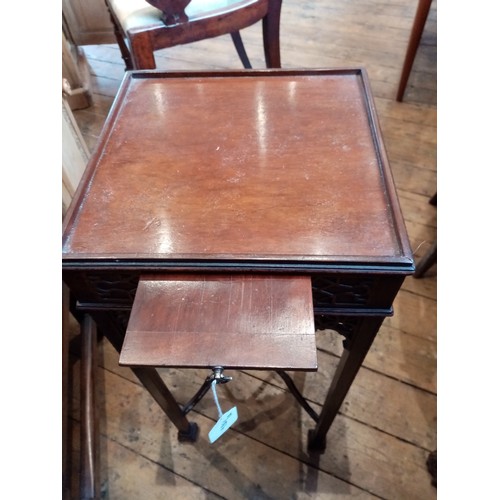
138, 14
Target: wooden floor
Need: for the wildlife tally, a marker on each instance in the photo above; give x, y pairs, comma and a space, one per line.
379, 444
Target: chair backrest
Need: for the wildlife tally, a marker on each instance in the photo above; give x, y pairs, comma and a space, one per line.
142, 27
173, 10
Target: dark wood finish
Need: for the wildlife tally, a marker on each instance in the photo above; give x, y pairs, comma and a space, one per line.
252, 171
240, 48
270, 174
89, 414
232, 321
353, 355
142, 30
421, 14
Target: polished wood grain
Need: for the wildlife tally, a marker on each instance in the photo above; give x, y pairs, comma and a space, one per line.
261, 165
232, 321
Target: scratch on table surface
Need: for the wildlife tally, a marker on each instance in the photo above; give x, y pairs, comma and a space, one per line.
155, 222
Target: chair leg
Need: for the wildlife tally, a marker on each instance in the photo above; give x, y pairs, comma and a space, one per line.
416, 34
240, 48
141, 55
271, 34
427, 261
142, 51
127, 58
89, 421
430, 258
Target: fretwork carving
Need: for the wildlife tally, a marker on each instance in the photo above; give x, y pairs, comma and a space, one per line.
114, 287
341, 291
344, 325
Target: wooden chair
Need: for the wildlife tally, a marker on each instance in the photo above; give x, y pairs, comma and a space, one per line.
142, 29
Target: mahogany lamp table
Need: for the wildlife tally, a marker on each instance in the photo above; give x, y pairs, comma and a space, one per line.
271, 172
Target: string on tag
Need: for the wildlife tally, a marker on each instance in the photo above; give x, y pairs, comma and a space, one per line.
214, 383
225, 421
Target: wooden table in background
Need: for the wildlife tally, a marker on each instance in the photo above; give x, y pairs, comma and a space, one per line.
273, 171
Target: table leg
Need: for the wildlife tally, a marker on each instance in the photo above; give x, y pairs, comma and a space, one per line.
113, 326
151, 380
354, 353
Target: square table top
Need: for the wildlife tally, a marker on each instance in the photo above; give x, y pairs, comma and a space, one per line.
279, 165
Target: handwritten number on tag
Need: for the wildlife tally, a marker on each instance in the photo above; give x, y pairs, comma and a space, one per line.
223, 424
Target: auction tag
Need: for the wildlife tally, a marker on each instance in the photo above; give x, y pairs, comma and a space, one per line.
223, 424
